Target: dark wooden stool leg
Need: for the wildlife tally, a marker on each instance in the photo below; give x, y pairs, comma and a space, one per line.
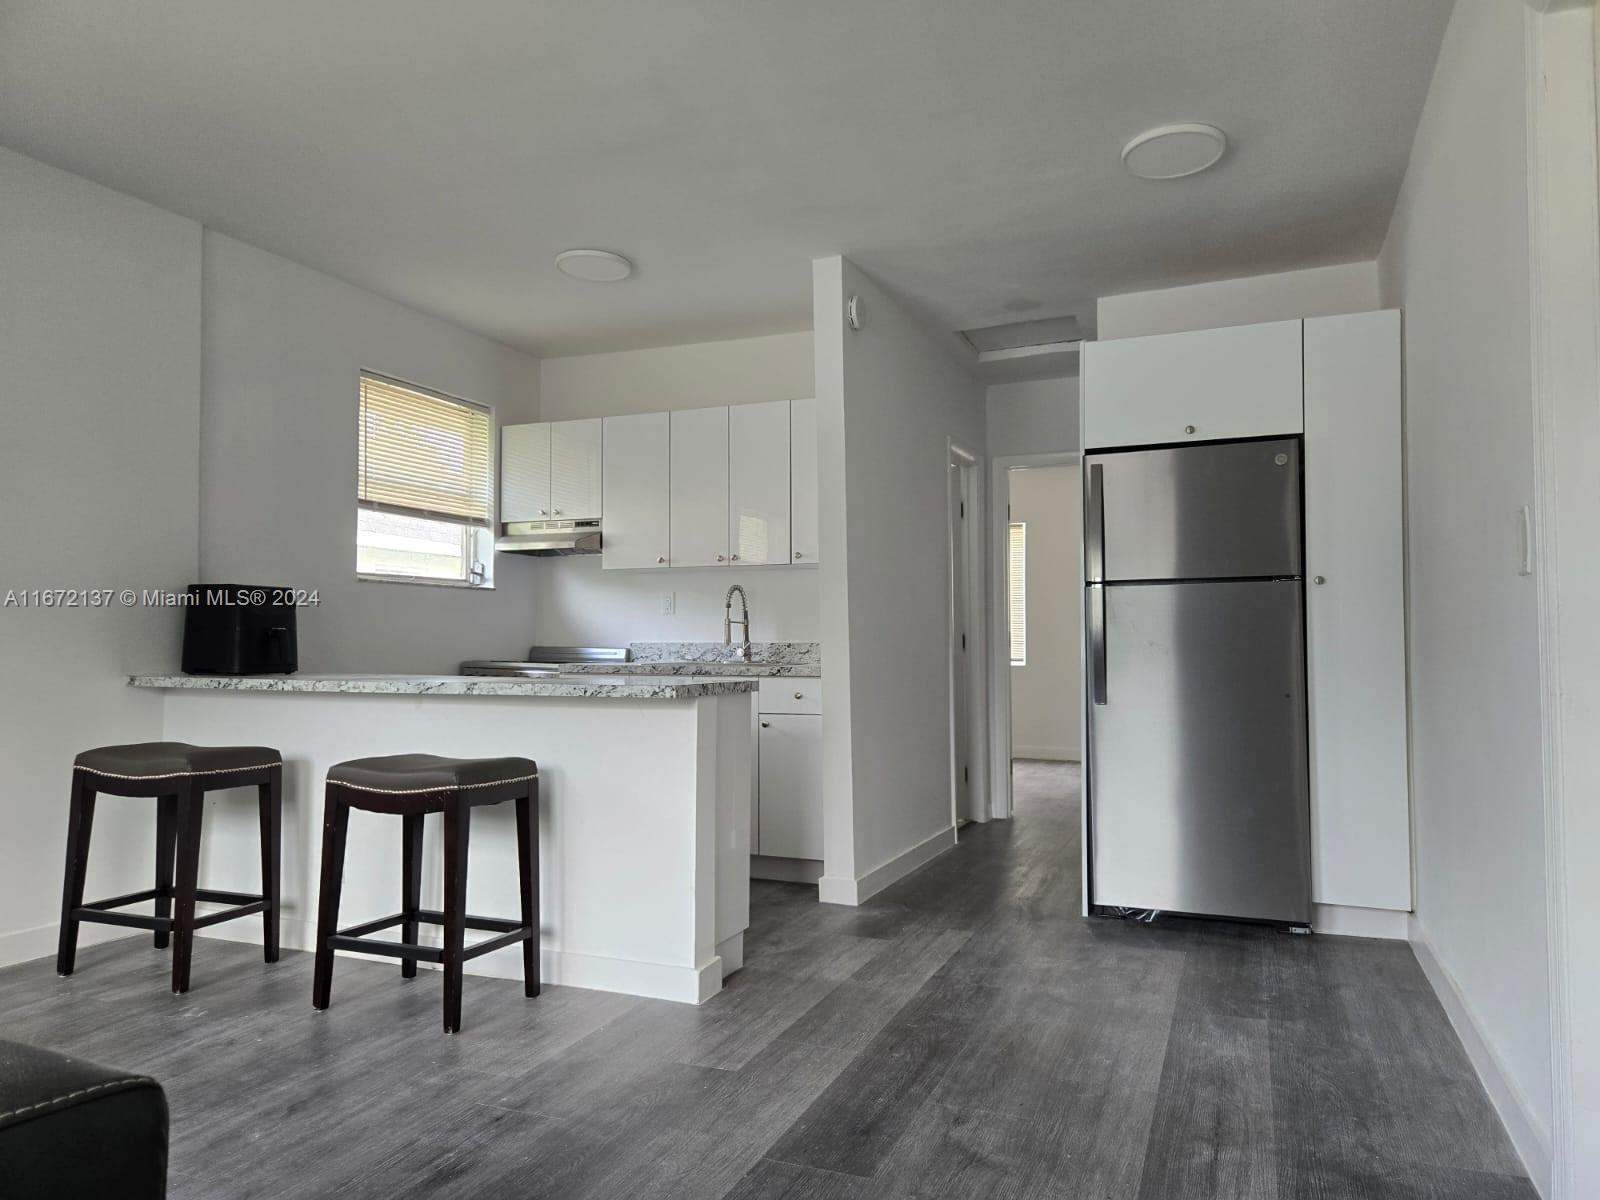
190, 800
528, 883
457, 823
80, 820
166, 847
410, 886
335, 825
270, 797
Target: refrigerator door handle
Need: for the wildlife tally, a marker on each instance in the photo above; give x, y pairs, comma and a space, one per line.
1097, 643
1094, 527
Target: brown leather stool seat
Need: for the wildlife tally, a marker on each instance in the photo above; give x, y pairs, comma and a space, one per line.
411, 786
177, 776
410, 774
150, 760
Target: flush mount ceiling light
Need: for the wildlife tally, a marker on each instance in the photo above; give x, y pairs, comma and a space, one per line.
1173, 151
595, 266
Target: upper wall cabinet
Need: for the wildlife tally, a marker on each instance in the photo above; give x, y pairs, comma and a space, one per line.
638, 473
699, 488
575, 461
1209, 385
758, 483
550, 471
525, 472
803, 482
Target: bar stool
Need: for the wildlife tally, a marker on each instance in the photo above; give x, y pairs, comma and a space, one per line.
409, 786
177, 776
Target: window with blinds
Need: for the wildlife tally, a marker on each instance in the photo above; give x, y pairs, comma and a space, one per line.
424, 484
1017, 590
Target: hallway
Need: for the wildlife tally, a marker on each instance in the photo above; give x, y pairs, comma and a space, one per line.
966, 1034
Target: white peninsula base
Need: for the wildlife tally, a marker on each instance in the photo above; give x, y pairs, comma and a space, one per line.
644, 810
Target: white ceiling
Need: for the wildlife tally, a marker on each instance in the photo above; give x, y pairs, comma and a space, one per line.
963, 151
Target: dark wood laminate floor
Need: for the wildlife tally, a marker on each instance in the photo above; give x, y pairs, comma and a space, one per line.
966, 1034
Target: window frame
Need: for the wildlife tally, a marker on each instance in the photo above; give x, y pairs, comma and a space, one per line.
479, 555
1016, 532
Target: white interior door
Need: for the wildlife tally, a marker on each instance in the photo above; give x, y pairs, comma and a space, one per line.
758, 482
700, 487
575, 465
960, 735
525, 472
637, 479
804, 540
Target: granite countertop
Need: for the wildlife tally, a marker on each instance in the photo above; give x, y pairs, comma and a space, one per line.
796, 660
631, 686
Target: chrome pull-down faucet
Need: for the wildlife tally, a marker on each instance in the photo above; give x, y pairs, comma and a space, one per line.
728, 621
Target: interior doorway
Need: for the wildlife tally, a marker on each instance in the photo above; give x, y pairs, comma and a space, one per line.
1037, 602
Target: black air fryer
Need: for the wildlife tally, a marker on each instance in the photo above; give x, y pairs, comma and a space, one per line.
234, 630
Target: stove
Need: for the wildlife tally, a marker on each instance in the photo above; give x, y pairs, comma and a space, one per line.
545, 660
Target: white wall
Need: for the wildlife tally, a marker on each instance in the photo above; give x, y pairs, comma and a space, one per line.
1033, 417
283, 350
889, 397
100, 374
1046, 691
1456, 261
700, 375
576, 603
1317, 292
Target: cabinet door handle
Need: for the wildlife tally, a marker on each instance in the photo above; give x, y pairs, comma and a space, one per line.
1188, 428
1319, 579
799, 695
766, 724
735, 558
719, 558
558, 512
543, 513
660, 559
797, 554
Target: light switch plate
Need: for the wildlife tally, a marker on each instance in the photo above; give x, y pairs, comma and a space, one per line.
669, 603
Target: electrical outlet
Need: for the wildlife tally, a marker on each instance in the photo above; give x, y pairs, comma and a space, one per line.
669, 603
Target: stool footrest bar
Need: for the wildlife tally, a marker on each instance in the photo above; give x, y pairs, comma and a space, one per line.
340, 941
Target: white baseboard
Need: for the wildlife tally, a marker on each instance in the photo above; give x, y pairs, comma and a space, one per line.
1361, 922
632, 977
839, 889
25, 945
785, 870
1531, 1139
1048, 753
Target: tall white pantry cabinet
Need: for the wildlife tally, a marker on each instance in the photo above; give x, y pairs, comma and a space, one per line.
1336, 382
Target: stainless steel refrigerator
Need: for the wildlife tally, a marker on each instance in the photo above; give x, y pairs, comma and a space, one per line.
1197, 774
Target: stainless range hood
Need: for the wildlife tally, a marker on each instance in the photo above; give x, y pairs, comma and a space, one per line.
548, 539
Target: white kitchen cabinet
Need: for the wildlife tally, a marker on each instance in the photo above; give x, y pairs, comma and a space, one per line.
1355, 614
699, 488
575, 469
758, 483
1207, 385
550, 471
790, 805
636, 453
803, 482
525, 472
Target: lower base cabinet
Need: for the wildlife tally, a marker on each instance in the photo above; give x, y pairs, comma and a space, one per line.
789, 818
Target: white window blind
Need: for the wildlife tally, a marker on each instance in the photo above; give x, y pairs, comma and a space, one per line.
421, 454
1017, 589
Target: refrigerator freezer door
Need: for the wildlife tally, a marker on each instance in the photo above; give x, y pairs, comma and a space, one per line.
1197, 758
1229, 510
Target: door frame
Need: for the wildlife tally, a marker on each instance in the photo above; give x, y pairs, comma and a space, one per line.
999, 627
1560, 54
968, 477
